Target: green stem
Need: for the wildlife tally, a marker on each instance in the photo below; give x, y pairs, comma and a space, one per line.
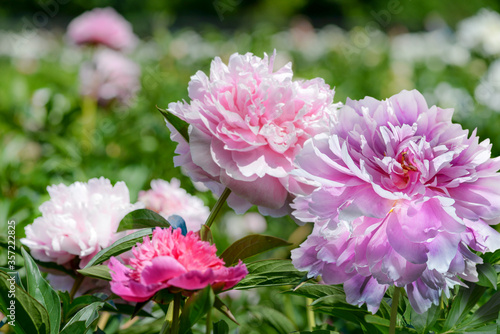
217, 207
78, 281
394, 310
175, 315
311, 323
209, 322
89, 110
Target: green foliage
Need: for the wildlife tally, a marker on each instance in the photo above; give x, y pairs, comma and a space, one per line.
195, 308
83, 319
142, 218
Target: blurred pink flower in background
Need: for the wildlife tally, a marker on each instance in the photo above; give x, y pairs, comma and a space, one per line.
78, 221
110, 76
405, 197
246, 125
102, 26
172, 260
238, 226
170, 199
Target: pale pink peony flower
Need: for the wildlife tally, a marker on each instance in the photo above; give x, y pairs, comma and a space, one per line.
102, 26
110, 76
78, 221
172, 260
405, 197
170, 199
246, 125
238, 226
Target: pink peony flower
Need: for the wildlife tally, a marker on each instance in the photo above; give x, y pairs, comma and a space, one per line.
172, 260
78, 221
110, 76
404, 198
246, 125
102, 26
170, 199
238, 226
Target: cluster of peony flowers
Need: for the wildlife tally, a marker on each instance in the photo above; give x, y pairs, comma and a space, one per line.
170, 199
247, 123
172, 261
110, 76
404, 197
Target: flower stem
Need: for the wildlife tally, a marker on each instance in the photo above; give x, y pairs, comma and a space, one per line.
217, 207
394, 310
311, 323
175, 315
209, 322
78, 281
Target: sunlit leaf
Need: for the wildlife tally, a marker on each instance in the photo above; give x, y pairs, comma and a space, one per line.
249, 246
142, 218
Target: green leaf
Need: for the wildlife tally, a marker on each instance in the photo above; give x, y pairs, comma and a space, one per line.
486, 313
100, 271
15, 274
221, 307
120, 246
43, 292
273, 318
31, 316
317, 331
206, 234
81, 302
83, 319
425, 322
195, 308
270, 273
180, 125
249, 246
315, 291
464, 301
376, 320
492, 258
487, 275
65, 303
127, 309
220, 327
142, 218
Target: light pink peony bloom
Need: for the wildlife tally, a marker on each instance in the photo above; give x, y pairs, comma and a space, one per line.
110, 76
170, 199
246, 125
238, 226
404, 197
78, 221
102, 26
172, 260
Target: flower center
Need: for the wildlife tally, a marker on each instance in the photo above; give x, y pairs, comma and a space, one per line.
406, 163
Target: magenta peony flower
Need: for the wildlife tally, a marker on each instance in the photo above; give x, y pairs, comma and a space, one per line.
404, 197
78, 221
110, 76
246, 125
172, 260
102, 26
170, 199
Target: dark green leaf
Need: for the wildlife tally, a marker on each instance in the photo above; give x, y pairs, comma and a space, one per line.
142, 218
120, 246
65, 303
425, 322
273, 318
100, 271
54, 266
31, 316
376, 320
487, 275
249, 246
180, 125
317, 331
270, 273
83, 319
220, 327
463, 302
486, 313
195, 308
316, 291
127, 309
219, 305
80, 302
492, 258
163, 297
38, 288
15, 274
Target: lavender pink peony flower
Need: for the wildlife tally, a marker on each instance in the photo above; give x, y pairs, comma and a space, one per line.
246, 125
110, 77
78, 221
404, 197
170, 199
102, 26
173, 261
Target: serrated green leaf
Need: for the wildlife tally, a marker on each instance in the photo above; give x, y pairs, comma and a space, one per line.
83, 319
40, 289
31, 316
120, 246
273, 318
487, 275
220, 327
195, 308
463, 302
180, 125
142, 218
251, 245
270, 273
100, 271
